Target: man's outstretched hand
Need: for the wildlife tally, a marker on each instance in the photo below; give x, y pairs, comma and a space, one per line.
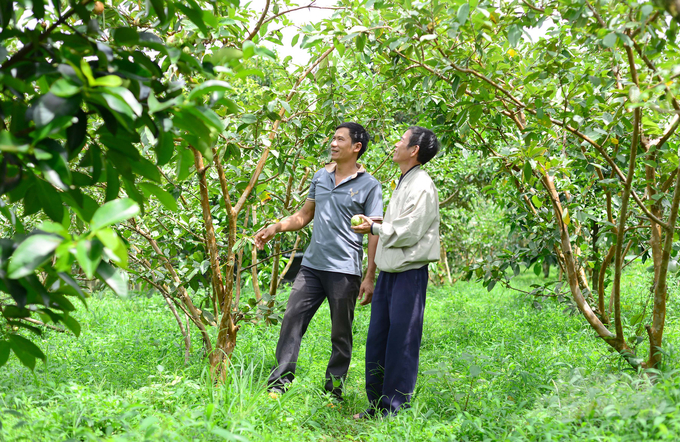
263, 236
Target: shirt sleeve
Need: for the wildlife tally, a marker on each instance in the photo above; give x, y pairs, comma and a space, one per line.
413, 221
312, 188
373, 207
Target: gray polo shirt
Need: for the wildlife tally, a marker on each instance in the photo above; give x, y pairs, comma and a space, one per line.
334, 246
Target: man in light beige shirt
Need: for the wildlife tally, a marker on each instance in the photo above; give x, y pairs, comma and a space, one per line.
408, 242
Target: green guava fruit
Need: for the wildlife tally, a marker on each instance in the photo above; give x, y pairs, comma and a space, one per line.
357, 220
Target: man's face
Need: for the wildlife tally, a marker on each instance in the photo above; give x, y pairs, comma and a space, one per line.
342, 148
403, 153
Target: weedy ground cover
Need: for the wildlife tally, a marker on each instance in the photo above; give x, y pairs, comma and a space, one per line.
494, 366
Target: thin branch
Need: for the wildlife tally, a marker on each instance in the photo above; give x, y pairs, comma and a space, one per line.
255, 30
42, 324
309, 6
669, 132
267, 259
597, 15
535, 8
669, 182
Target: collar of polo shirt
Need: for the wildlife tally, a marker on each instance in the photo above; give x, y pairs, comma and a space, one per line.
330, 168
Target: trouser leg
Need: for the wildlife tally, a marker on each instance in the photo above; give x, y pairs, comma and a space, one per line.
305, 298
406, 311
342, 291
376, 340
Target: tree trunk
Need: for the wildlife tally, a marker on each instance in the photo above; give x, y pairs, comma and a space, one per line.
253, 269
226, 337
655, 330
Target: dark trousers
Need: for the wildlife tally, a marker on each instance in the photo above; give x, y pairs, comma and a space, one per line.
309, 290
394, 336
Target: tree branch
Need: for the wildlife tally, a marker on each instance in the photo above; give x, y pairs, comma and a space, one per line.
259, 23
309, 6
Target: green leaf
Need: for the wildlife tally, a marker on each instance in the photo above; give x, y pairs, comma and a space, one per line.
114, 212
145, 168
76, 134
33, 252
209, 86
87, 71
195, 14
514, 34
210, 18
26, 359
159, 8
64, 88
163, 196
4, 352
225, 55
361, 42
248, 118
125, 36
71, 324
112, 183
527, 171
248, 49
11, 144
185, 159
609, 40
109, 81
247, 72
27, 346
112, 277
116, 245
127, 97
49, 108
165, 148
463, 13
89, 254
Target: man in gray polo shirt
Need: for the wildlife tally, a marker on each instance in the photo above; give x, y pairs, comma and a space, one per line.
331, 266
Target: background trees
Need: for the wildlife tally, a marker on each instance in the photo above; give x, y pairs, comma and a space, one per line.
580, 119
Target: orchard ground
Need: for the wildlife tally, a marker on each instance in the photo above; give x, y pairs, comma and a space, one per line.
494, 366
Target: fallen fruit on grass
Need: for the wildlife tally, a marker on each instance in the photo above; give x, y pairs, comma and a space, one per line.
357, 220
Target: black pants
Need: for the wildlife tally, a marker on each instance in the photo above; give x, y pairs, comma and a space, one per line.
394, 336
309, 290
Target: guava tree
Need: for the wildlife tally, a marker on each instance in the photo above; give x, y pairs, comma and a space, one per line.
95, 104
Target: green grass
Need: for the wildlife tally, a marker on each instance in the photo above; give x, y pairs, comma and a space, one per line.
493, 367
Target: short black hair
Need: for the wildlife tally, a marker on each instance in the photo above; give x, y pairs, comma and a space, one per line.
425, 138
358, 135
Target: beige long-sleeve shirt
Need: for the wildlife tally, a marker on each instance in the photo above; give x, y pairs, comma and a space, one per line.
409, 234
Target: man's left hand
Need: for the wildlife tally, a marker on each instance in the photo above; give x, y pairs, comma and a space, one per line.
363, 228
366, 291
